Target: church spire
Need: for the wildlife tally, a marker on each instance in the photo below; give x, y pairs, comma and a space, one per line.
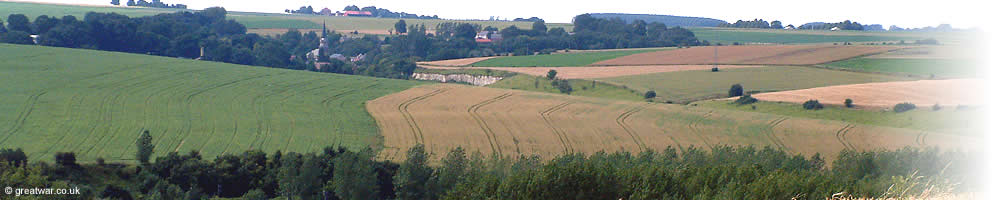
324, 29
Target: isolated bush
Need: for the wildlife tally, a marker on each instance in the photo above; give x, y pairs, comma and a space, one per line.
903, 107
812, 105
563, 86
551, 75
936, 107
650, 94
736, 90
715, 69
849, 103
66, 159
745, 99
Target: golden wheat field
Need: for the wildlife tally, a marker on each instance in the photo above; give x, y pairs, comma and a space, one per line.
511, 123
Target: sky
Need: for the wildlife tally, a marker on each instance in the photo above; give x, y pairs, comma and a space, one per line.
907, 14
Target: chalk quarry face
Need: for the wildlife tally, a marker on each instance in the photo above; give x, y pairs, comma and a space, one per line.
461, 78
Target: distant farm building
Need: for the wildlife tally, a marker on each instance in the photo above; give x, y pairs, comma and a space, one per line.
789, 27
488, 36
835, 29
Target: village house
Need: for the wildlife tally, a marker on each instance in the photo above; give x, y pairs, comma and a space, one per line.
488, 36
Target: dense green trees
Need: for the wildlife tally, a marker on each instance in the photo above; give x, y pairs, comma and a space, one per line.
595, 33
756, 23
18, 22
16, 37
812, 105
722, 172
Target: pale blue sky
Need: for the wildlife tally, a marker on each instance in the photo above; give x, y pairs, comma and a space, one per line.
959, 13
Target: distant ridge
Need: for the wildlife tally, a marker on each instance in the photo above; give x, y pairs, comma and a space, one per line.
668, 20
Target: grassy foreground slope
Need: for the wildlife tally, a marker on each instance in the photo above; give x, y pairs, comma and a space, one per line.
96, 103
687, 86
560, 60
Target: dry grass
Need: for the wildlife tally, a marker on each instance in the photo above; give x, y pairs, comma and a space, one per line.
512, 123
923, 93
750, 55
598, 72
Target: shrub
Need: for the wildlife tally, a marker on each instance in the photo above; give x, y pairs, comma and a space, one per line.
735, 90
650, 94
936, 107
903, 107
563, 86
812, 105
715, 69
745, 99
66, 159
849, 103
551, 75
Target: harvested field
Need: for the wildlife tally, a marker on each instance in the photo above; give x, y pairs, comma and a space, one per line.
750, 55
455, 62
923, 93
599, 72
688, 86
511, 123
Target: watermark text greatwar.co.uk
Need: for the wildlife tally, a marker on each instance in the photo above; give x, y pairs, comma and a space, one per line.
40, 191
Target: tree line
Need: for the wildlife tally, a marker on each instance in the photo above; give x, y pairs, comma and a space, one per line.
153, 4
722, 172
185, 34
756, 23
376, 12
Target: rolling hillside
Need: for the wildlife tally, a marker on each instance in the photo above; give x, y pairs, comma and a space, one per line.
96, 103
512, 123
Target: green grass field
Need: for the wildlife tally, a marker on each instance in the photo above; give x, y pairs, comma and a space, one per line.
96, 103
560, 60
587, 88
950, 120
688, 86
728, 36
950, 68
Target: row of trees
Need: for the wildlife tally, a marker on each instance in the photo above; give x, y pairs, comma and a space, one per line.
153, 4
722, 172
756, 23
185, 34
845, 25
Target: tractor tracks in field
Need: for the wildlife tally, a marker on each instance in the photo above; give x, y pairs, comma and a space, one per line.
696, 130
771, 133
621, 120
563, 138
490, 135
403, 108
921, 138
842, 136
23, 114
190, 99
